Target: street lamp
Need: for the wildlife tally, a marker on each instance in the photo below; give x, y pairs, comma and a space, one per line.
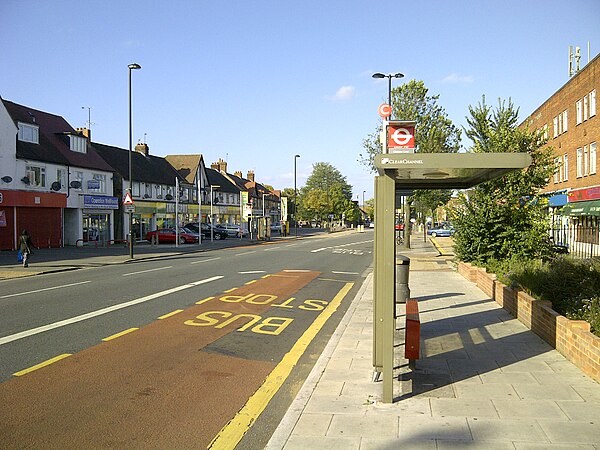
212, 186
389, 76
131, 235
295, 198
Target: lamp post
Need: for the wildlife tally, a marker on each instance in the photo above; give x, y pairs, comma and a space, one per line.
363, 208
131, 235
389, 76
295, 198
212, 186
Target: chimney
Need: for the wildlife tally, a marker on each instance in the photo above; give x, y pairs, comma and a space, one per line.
250, 175
142, 148
214, 166
238, 173
222, 165
86, 132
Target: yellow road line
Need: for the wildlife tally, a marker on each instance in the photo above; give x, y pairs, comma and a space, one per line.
172, 313
199, 302
42, 364
232, 433
251, 282
122, 333
229, 290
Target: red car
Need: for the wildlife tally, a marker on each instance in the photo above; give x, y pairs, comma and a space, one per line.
399, 227
167, 235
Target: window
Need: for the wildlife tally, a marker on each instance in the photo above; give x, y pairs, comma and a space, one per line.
579, 111
36, 175
593, 103
101, 179
148, 191
556, 170
135, 189
579, 162
29, 133
555, 123
545, 132
159, 191
78, 144
565, 167
585, 108
565, 117
585, 161
592, 158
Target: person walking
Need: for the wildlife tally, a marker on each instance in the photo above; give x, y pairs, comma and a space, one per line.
25, 246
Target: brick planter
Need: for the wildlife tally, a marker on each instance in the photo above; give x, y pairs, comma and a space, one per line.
572, 338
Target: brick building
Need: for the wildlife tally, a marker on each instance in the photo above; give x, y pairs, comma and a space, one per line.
571, 124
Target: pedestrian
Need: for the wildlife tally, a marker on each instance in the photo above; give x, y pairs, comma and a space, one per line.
25, 246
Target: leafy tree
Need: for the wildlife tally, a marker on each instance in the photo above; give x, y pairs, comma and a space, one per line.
505, 217
326, 192
434, 133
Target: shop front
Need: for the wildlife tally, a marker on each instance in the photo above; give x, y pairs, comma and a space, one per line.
97, 218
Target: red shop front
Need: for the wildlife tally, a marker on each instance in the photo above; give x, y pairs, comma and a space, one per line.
40, 213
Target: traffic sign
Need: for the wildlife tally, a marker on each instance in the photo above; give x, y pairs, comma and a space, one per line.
128, 200
384, 110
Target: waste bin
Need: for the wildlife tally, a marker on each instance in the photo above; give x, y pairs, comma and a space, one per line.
402, 269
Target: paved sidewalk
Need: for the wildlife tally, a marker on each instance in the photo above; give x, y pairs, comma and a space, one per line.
484, 381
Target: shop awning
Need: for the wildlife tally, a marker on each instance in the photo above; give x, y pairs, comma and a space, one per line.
557, 200
590, 208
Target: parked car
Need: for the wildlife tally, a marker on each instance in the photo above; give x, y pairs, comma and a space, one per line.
441, 231
230, 228
168, 235
217, 233
276, 226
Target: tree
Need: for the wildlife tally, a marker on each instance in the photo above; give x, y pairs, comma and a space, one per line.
434, 132
505, 217
326, 192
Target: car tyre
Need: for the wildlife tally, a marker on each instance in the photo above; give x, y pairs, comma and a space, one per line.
434, 234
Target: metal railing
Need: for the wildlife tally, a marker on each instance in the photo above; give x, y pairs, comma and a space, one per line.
582, 241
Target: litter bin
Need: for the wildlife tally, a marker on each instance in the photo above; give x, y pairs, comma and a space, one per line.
402, 269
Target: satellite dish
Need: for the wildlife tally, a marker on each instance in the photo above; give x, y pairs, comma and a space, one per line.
55, 186
7, 179
75, 184
169, 197
25, 180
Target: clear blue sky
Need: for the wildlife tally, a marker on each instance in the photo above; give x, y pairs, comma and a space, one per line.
256, 82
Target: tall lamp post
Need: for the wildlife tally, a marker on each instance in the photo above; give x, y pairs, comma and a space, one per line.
131, 235
389, 76
295, 198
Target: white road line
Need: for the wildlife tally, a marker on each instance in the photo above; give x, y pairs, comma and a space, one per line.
245, 253
45, 289
252, 271
344, 273
100, 312
320, 249
205, 260
145, 271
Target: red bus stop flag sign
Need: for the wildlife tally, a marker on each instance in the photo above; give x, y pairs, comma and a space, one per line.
401, 137
384, 110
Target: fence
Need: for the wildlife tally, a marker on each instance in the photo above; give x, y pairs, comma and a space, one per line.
576, 239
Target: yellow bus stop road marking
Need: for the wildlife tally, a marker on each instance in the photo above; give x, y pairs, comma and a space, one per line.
42, 364
118, 335
232, 433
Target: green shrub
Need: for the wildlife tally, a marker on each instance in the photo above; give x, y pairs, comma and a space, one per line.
572, 285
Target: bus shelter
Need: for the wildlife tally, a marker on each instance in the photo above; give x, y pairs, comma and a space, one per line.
411, 171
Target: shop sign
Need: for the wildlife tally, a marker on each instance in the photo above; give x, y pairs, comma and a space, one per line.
580, 195
100, 202
93, 184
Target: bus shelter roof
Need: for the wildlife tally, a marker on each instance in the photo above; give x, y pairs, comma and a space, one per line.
447, 170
